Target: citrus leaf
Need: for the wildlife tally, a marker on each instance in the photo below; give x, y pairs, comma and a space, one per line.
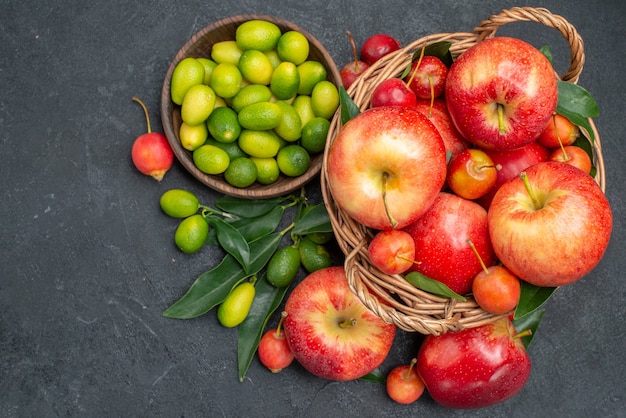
439, 49
266, 300
429, 285
231, 240
314, 220
530, 322
349, 109
375, 376
577, 104
247, 208
254, 228
584, 143
547, 52
531, 298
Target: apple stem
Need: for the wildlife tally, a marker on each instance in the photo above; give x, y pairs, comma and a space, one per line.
530, 190
145, 111
501, 126
522, 334
480, 259
389, 216
353, 44
407, 375
347, 323
283, 315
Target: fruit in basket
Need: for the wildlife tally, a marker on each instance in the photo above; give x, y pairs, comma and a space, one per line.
392, 251
151, 153
471, 173
403, 384
393, 92
476, 367
377, 46
441, 239
551, 225
352, 70
427, 78
386, 167
501, 93
572, 155
331, 333
559, 131
437, 113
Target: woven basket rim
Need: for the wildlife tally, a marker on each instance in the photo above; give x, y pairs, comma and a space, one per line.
390, 296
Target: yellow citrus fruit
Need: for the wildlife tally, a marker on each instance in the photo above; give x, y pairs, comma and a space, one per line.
235, 308
257, 34
272, 55
267, 170
226, 80
252, 93
179, 203
285, 80
290, 125
223, 124
232, 149
311, 73
314, 133
198, 104
255, 67
226, 52
304, 107
260, 116
293, 160
208, 65
210, 159
325, 99
261, 144
188, 72
293, 46
191, 234
192, 136
241, 172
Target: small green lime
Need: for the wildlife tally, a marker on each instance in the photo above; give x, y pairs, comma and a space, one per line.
188, 72
285, 80
232, 149
267, 170
236, 307
252, 93
257, 34
208, 65
223, 125
255, 67
290, 126
272, 55
260, 116
210, 159
283, 266
293, 46
226, 52
321, 237
325, 99
226, 80
179, 203
313, 256
241, 172
261, 144
314, 133
311, 73
192, 136
304, 107
293, 160
198, 104
191, 234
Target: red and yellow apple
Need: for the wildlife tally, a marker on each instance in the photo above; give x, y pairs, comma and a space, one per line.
551, 225
501, 93
331, 333
386, 166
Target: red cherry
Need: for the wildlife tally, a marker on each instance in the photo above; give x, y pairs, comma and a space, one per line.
377, 46
352, 70
274, 352
393, 92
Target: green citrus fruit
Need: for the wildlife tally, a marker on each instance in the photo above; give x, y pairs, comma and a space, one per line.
293, 46
191, 234
226, 52
314, 133
198, 104
188, 72
311, 73
241, 172
179, 203
261, 144
232, 149
208, 65
210, 159
252, 93
285, 80
267, 170
272, 55
260, 116
325, 99
255, 67
226, 80
293, 160
283, 266
257, 34
303, 106
235, 308
313, 256
223, 125
290, 126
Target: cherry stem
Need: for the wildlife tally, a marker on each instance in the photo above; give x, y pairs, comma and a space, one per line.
501, 127
480, 259
407, 375
529, 190
145, 111
401, 257
432, 96
356, 58
417, 66
283, 315
389, 216
522, 334
347, 323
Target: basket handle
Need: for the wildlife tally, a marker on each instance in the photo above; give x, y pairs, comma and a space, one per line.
488, 27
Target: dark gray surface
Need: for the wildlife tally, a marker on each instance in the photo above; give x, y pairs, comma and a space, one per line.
88, 261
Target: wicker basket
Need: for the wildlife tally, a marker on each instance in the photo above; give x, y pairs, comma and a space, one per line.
391, 297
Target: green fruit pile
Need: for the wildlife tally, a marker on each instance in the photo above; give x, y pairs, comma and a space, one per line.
257, 108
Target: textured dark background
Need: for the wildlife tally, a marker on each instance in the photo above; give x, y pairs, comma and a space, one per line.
88, 260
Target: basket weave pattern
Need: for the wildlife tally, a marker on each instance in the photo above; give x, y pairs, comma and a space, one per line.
391, 297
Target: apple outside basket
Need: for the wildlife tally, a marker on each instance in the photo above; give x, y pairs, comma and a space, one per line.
391, 297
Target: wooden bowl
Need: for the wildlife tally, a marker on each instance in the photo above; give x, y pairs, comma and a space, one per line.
199, 45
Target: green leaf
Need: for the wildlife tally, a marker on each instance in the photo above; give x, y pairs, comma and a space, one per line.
254, 228
247, 208
429, 285
266, 300
314, 220
375, 376
231, 240
577, 104
532, 298
547, 52
531, 322
584, 143
349, 109
439, 49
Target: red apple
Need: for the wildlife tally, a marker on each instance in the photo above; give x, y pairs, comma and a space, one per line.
439, 116
392, 251
441, 239
352, 70
551, 225
393, 92
377, 46
403, 384
559, 131
501, 93
574, 156
471, 173
330, 331
427, 80
476, 367
386, 166
512, 163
